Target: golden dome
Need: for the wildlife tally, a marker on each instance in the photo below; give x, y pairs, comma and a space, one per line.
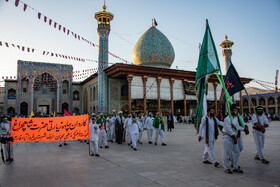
153, 49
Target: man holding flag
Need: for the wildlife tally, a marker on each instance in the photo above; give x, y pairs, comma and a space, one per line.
233, 85
230, 146
209, 64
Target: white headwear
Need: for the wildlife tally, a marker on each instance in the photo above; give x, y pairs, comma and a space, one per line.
120, 112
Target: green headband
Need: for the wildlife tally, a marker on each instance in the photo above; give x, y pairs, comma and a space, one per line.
260, 108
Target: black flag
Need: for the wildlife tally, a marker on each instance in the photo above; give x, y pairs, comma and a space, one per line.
233, 85
155, 22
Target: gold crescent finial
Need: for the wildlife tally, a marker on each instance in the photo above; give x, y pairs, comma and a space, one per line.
226, 37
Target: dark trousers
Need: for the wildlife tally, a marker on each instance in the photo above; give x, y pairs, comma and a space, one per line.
120, 135
117, 127
169, 126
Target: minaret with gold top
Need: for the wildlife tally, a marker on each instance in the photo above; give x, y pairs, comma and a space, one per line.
226, 45
103, 18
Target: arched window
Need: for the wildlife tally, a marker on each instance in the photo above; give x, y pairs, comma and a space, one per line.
93, 93
11, 110
23, 108
254, 101
65, 87
124, 92
76, 110
76, 95
261, 101
85, 102
24, 85
271, 101
11, 93
90, 95
245, 102
65, 106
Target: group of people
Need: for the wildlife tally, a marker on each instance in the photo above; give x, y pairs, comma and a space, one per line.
232, 139
122, 128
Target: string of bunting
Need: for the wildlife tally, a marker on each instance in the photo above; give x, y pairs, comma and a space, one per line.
74, 74
255, 80
64, 29
46, 53
265, 86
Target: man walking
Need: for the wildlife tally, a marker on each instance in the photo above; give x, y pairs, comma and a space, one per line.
159, 126
5, 131
259, 122
230, 145
149, 127
208, 130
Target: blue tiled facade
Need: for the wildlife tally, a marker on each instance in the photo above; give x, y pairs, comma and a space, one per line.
102, 92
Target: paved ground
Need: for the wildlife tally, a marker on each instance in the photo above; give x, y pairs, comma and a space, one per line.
177, 164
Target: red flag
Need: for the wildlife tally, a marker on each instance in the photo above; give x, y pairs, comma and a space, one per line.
18, 46
39, 15
33, 50
59, 27
55, 24
64, 29
44, 52
22, 48
68, 31
45, 18
7, 44
24, 7
50, 22
0, 43
28, 49
16, 2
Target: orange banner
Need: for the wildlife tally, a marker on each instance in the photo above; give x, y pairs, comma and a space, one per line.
50, 128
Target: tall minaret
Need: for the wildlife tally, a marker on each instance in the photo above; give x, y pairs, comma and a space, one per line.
103, 18
226, 45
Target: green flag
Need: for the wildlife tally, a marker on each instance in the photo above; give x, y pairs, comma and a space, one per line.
208, 63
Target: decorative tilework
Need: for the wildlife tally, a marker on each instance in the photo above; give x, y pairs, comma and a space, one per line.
153, 48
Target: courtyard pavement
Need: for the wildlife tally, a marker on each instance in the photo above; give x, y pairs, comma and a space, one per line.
177, 164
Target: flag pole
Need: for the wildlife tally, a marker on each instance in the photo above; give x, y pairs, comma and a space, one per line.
254, 109
221, 80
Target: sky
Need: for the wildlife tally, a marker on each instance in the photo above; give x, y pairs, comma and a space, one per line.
253, 26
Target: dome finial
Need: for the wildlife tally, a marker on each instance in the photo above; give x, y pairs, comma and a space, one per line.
226, 37
104, 7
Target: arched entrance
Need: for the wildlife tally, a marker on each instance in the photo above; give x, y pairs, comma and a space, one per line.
11, 110
65, 106
45, 93
85, 102
23, 108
